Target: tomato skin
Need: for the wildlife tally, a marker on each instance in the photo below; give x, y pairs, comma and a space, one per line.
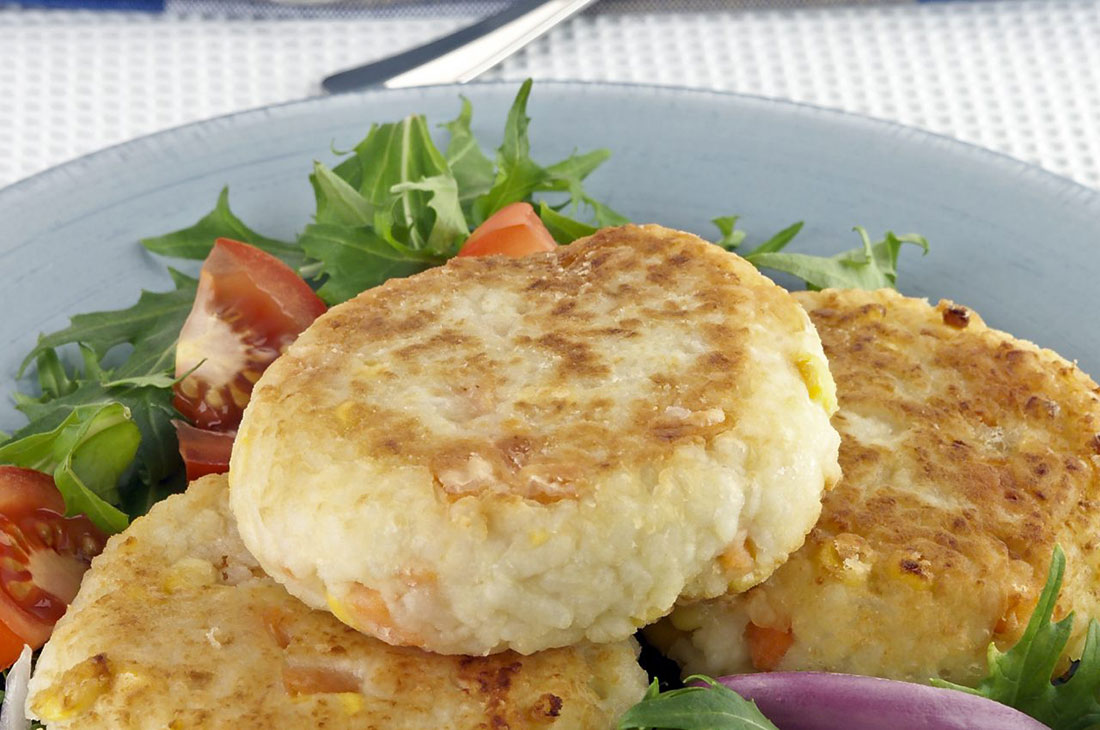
514, 230
43, 556
204, 451
248, 308
238, 267
11, 646
20, 487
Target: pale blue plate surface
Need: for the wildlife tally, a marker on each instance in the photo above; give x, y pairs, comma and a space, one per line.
1019, 245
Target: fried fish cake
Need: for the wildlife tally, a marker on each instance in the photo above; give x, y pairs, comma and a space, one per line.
967, 454
177, 627
522, 453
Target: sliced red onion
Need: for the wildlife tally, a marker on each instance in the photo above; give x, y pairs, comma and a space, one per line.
13, 712
822, 701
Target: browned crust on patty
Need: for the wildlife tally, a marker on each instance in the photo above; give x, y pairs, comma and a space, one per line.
996, 427
981, 458
967, 455
547, 362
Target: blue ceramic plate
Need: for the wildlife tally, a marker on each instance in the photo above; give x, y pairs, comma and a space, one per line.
1019, 245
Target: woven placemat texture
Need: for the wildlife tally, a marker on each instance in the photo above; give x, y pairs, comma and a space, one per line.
1022, 77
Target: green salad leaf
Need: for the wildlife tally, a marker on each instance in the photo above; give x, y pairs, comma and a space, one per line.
151, 326
779, 241
473, 171
871, 266
519, 177
149, 405
732, 237
338, 203
86, 453
196, 241
449, 228
517, 174
400, 205
141, 383
563, 228
710, 707
393, 212
1021, 677
358, 258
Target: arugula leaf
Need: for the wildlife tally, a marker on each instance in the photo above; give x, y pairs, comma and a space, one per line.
1021, 676
150, 407
872, 266
86, 453
714, 707
401, 185
196, 241
396, 153
151, 326
338, 203
517, 174
473, 171
52, 378
449, 228
563, 228
141, 384
355, 259
394, 212
732, 237
566, 176
155, 380
779, 241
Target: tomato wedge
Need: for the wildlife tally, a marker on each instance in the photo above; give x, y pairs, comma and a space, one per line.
249, 307
43, 556
514, 230
204, 451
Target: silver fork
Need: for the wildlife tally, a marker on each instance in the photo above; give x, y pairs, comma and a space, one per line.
464, 54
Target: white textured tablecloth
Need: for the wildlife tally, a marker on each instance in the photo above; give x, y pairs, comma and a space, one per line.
1019, 76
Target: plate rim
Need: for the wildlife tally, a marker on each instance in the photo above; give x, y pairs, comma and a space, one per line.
1054, 182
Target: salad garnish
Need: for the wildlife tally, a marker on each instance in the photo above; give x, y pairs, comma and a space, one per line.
86, 454
703, 705
141, 385
1020, 677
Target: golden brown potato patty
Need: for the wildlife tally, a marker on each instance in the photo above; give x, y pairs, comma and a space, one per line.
523, 453
177, 627
967, 454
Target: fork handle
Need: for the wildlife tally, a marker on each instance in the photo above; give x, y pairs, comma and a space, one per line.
462, 55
